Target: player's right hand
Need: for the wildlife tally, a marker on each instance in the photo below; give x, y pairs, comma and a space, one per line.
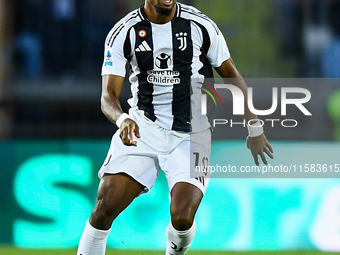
127, 129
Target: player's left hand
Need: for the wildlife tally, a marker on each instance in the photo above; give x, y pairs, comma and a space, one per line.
258, 146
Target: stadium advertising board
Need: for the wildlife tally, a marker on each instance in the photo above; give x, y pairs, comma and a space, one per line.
48, 191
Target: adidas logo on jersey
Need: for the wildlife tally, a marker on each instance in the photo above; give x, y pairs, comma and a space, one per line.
144, 46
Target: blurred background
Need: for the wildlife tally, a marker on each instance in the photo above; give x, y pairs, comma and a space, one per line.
54, 138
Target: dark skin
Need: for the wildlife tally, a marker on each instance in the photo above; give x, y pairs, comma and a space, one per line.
117, 191
150, 8
257, 145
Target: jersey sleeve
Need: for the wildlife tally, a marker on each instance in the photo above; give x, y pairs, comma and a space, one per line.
114, 59
218, 51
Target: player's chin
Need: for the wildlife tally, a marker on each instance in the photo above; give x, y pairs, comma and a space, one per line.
164, 11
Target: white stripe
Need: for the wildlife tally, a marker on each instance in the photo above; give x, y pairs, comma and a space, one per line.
163, 93
135, 72
146, 45
198, 120
141, 47
132, 39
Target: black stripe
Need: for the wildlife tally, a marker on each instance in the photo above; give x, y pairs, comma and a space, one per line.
206, 38
182, 60
140, 13
145, 63
202, 16
119, 29
118, 25
201, 180
113, 40
108, 161
113, 33
206, 70
127, 46
198, 14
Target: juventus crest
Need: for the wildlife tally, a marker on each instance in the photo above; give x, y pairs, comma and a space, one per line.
182, 37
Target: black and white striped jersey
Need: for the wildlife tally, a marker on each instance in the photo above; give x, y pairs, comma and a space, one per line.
164, 59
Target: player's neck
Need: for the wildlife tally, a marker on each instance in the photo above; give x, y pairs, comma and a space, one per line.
154, 17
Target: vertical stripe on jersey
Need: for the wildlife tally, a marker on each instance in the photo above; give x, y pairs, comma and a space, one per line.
145, 61
206, 70
182, 58
127, 47
163, 56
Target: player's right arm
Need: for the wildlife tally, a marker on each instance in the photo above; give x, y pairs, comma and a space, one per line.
258, 145
110, 105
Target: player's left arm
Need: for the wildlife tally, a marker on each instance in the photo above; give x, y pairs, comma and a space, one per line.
258, 145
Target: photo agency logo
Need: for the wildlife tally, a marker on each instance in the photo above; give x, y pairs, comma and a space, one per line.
301, 96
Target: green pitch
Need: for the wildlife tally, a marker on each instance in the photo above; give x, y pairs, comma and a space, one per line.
15, 251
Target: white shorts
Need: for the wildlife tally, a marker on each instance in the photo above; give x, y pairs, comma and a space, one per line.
176, 153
